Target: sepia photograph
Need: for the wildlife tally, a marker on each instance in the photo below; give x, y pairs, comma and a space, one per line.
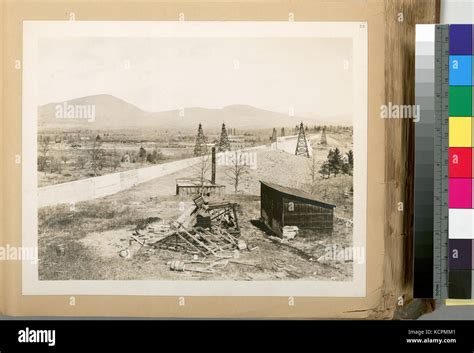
178, 153
283, 166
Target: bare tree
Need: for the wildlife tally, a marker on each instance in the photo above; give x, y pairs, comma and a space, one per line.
325, 170
238, 170
115, 162
81, 162
201, 169
97, 156
64, 159
313, 171
55, 165
44, 147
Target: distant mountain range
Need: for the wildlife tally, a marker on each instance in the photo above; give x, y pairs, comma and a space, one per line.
114, 113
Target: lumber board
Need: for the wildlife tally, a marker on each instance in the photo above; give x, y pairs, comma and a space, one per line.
399, 147
198, 241
188, 242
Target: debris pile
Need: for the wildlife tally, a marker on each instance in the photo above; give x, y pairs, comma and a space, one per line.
198, 241
204, 229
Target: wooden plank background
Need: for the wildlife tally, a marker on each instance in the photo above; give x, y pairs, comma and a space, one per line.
401, 17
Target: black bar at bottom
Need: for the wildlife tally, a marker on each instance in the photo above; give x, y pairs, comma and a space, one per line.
240, 336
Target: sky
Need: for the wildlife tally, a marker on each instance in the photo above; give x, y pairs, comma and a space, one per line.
306, 75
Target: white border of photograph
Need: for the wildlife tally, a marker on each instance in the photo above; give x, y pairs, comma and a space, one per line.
34, 30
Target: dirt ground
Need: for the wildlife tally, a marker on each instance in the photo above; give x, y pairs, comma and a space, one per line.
84, 242
298, 257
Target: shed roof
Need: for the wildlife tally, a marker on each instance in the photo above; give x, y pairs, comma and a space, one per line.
297, 193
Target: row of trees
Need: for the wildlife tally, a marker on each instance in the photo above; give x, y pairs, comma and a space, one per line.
150, 157
327, 128
336, 164
200, 147
96, 160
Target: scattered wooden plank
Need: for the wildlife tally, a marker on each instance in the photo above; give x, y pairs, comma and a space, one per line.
216, 247
137, 240
198, 241
228, 236
228, 246
213, 236
244, 263
236, 219
161, 240
196, 270
223, 257
188, 242
186, 216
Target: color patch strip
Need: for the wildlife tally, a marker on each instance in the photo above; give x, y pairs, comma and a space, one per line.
461, 162
444, 164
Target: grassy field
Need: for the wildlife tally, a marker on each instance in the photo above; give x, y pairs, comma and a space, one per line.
68, 155
68, 164
84, 242
84, 245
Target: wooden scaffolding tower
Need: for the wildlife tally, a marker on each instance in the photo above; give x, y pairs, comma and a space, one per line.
302, 144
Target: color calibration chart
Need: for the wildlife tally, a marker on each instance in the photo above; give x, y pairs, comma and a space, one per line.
444, 162
461, 174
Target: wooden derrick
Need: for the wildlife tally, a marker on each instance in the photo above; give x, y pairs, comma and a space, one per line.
302, 144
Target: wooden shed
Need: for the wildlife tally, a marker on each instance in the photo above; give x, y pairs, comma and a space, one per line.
283, 206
